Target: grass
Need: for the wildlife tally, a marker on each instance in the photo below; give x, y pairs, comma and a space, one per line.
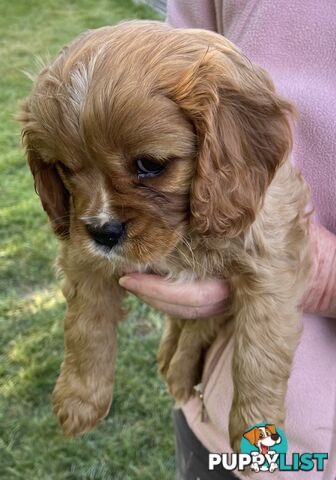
136, 440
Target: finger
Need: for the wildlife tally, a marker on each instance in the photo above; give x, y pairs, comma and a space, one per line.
185, 312
195, 294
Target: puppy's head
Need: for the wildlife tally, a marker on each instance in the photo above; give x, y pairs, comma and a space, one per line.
140, 134
263, 437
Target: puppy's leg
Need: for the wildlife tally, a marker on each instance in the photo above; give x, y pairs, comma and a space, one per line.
186, 366
184, 370
168, 344
267, 330
83, 392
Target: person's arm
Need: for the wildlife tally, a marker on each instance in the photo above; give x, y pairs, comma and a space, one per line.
320, 297
192, 14
202, 299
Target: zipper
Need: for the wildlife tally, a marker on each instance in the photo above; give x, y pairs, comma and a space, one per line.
199, 389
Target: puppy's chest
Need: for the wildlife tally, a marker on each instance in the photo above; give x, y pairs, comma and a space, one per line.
191, 263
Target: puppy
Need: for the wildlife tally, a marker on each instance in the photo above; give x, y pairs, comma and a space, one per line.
166, 150
263, 438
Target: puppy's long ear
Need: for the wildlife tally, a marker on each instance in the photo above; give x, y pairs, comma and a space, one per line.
48, 184
244, 135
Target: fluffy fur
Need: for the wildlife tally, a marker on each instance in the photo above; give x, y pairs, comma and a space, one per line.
228, 204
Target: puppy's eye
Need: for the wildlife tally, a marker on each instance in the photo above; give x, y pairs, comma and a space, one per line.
146, 167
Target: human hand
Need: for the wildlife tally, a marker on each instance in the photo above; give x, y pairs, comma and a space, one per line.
198, 299
320, 296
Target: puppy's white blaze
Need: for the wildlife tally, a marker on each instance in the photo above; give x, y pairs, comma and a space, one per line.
103, 215
80, 80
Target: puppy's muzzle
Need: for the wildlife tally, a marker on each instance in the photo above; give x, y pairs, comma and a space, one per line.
107, 235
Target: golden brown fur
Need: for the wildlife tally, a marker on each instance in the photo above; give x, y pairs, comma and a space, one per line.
228, 204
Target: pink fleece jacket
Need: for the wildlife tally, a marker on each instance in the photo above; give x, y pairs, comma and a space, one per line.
296, 42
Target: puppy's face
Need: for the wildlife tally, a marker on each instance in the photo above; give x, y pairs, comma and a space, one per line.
129, 183
263, 437
140, 135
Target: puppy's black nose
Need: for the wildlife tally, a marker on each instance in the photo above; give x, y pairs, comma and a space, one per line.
275, 436
108, 234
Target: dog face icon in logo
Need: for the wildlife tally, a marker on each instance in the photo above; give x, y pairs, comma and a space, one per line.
263, 441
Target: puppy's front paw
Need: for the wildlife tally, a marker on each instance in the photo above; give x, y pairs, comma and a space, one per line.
181, 379
77, 407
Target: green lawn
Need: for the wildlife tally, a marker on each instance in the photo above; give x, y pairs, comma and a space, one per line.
136, 440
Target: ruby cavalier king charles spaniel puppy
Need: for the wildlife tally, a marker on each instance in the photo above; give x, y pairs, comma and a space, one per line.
166, 150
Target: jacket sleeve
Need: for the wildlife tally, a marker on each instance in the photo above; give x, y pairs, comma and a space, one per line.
192, 14
320, 297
